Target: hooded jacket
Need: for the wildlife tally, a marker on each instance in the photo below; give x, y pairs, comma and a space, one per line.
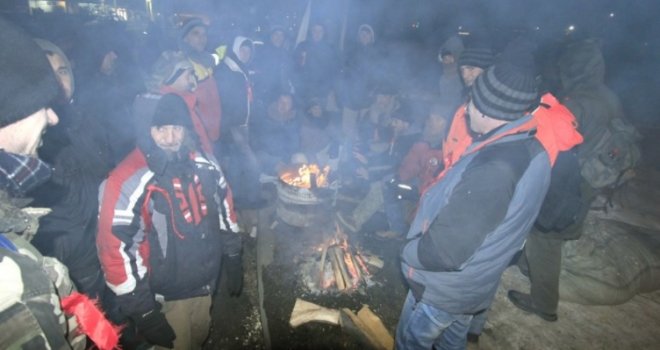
582, 74
361, 72
164, 223
274, 67
235, 89
454, 259
317, 65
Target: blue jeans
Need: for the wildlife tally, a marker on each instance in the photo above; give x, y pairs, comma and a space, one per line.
395, 211
478, 322
422, 326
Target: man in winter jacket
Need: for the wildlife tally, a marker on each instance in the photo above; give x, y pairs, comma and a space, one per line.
80, 161
172, 73
582, 73
473, 62
238, 158
454, 259
316, 65
31, 286
166, 224
273, 65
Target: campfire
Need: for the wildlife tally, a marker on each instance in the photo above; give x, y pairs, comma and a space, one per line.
306, 176
334, 266
337, 266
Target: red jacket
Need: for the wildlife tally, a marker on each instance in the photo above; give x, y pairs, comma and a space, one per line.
422, 163
210, 107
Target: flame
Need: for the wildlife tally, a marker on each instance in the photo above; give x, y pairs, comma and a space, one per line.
301, 177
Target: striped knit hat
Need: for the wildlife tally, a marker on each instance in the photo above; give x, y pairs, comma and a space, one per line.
508, 89
477, 57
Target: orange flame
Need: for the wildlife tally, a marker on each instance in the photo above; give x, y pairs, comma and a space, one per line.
302, 176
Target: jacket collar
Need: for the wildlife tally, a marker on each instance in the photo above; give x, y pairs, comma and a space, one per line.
19, 173
157, 159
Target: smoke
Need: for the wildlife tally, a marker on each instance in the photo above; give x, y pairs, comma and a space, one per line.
408, 36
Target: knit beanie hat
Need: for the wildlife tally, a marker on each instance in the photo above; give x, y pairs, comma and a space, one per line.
453, 46
481, 57
28, 82
171, 110
508, 89
189, 24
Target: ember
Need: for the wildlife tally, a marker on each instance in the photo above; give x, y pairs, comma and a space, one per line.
306, 176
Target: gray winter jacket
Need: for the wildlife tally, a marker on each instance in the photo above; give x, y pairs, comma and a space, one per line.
471, 223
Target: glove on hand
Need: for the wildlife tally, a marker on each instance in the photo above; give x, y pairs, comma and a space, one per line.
409, 192
234, 270
154, 328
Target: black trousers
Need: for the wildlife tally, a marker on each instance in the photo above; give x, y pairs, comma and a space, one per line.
543, 255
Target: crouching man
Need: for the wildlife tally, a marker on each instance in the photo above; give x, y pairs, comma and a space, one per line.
166, 223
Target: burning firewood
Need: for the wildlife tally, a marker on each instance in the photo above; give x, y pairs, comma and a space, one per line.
352, 272
339, 279
336, 266
322, 266
355, 267
363, 266
341, 267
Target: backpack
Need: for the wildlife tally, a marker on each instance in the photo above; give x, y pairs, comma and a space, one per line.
616, 152
563, 205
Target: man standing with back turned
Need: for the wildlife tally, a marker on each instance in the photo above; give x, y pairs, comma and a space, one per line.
454, 259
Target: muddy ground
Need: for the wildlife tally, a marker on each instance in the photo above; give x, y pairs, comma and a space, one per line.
238, 321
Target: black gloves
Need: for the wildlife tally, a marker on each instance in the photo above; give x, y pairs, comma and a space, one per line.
408, 192
234, 274
154, 328
401, 190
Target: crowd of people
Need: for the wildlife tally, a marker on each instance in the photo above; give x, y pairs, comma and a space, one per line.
142, 172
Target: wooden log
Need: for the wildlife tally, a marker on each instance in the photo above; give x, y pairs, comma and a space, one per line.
322, 265
374, 261
362, 264
339, 280
354, 269
339, 256
304, 311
